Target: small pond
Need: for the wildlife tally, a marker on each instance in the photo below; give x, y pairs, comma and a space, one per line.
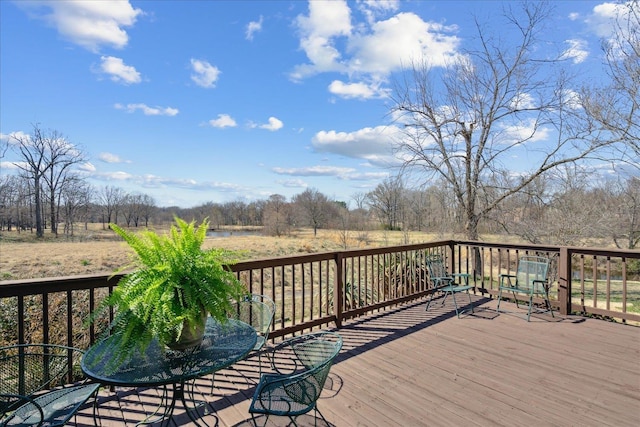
231, 233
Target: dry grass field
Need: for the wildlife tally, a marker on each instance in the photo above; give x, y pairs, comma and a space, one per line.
98, 251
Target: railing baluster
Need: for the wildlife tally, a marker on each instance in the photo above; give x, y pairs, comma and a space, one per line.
378, 277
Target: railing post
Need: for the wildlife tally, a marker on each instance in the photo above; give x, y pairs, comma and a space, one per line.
564, 280
452, 264
338, 286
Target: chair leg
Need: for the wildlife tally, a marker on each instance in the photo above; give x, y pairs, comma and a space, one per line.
455, 304
515, 297
499, 299
95, 410
255, 423
213, 380
530, 306
315, 420
547, 302
429, 301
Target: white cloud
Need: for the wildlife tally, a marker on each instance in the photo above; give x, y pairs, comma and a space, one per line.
609, 18
148, 111
273, 125
577, 51
602, 19
111, 158
526, 131
119, 72
373, 8
368, 176
11, 165
114, 176
87, 167
397, 41
90, 24
293, 183
372, 144
376, 48
343, 173
204, 74
522, 101
325, 22
12, 137
223, 121
253, 27
314, 171
357, 90
155, 181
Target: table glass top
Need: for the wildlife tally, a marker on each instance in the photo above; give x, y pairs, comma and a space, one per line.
223, 345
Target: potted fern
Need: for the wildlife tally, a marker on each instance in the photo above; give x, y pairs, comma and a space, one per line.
173, 285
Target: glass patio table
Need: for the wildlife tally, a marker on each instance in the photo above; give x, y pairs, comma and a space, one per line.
223, 345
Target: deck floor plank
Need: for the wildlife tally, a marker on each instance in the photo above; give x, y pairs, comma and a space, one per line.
411, 367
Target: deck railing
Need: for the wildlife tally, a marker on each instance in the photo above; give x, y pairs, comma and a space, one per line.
314, 290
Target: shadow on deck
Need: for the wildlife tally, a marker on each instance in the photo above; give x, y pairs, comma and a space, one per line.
408, 367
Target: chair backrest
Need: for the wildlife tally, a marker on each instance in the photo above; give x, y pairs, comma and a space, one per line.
436, 266
30, 368
257, 311
532, 271
315, 352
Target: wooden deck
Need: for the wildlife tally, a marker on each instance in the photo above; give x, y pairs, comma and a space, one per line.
408, 367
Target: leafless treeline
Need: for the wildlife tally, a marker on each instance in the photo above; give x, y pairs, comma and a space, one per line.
559, 210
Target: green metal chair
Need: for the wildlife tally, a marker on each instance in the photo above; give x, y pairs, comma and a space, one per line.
301, 366
530, 279
445, 282
258, 311
39, 385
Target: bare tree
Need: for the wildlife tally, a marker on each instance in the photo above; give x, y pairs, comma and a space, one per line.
622, 208
137, 207
111, 198
314, 208
277, 215
616, 105
33, 150
4, 146
46, 160
360, 199
386, 201
76, 201
147, 208
463, 124
61, 157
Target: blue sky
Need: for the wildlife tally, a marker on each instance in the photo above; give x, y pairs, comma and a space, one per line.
198, 101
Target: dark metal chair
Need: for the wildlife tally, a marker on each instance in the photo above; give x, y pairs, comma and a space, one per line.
530, 279
258, 311
301, 366
445, 282
41, 385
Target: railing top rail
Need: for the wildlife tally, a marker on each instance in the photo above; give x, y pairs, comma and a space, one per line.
619, 253
281, 261
23, 287
515, 246
324, 256
400, 248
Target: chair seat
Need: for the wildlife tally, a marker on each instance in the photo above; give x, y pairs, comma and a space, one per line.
456, 288
302, 364
277, 399
58, 406
530, 279
259, 343
445, 282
